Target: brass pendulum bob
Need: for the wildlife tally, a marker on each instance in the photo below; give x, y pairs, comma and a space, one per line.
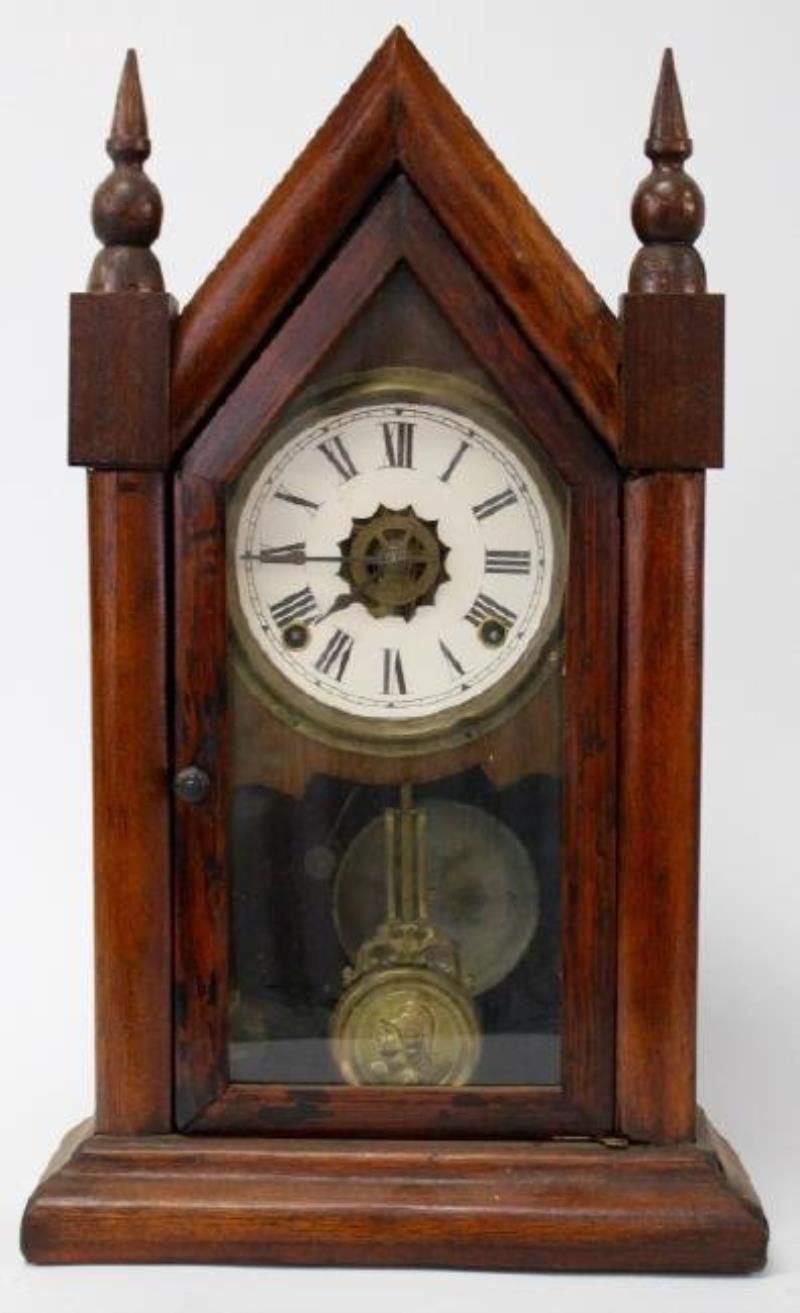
406, 1016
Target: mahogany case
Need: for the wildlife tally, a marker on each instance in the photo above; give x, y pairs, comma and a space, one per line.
615, 1169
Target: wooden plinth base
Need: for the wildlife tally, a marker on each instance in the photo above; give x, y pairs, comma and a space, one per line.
546, 1206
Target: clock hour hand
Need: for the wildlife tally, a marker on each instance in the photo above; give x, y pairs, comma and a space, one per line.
339, 604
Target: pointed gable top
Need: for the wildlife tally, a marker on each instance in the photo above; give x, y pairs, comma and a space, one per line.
396, 116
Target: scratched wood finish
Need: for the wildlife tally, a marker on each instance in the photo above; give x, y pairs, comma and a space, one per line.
131, 803
396, 116
506, 1206
659, 805
401, 227
332, 1111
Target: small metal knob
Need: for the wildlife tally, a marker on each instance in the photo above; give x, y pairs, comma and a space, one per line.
191, 784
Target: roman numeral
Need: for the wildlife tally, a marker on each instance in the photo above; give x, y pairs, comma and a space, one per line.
500, 561
494, 504
289, 554
335, 655
297, 500
295, 606
486, 608
394, 680
399, 439
454, 461
451, 660
334, 450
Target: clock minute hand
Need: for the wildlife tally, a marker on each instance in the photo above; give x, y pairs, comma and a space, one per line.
293, 555
296, 555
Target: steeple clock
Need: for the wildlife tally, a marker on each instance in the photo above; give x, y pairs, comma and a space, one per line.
396, 558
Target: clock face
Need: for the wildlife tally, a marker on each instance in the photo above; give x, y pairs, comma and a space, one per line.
397, 564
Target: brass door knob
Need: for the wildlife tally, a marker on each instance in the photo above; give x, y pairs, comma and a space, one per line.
191, 784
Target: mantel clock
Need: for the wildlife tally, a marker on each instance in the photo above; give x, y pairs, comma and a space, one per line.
396, 553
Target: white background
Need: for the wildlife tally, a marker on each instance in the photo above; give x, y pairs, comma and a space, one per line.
562, 91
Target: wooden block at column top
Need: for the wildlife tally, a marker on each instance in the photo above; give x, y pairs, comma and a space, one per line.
119, 379
673, 352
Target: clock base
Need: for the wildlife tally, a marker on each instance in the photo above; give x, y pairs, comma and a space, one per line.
548, 1206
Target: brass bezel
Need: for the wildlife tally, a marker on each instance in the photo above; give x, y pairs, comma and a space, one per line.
442, 729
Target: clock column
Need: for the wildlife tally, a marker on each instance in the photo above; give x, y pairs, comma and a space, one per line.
119, 428
672, 375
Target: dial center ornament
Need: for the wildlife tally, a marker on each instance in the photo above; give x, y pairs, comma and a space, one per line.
394, 562
398, 565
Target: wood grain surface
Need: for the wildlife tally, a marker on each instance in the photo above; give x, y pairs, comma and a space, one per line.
396, 116
508, 1206
133, 973
659, 805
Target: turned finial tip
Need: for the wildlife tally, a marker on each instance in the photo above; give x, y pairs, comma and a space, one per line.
668, 136
668, 209
126, 210
128, 137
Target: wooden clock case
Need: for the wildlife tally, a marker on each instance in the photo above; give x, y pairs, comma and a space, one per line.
617, 1169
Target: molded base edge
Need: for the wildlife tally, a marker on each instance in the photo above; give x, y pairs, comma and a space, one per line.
548, 1206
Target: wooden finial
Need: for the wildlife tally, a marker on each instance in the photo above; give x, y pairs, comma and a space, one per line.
128, 138
668, 135
126, 210
668, 208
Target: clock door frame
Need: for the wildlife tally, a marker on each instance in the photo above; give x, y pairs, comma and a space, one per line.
398, 228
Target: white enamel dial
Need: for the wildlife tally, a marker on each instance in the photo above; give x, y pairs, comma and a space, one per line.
395, 562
